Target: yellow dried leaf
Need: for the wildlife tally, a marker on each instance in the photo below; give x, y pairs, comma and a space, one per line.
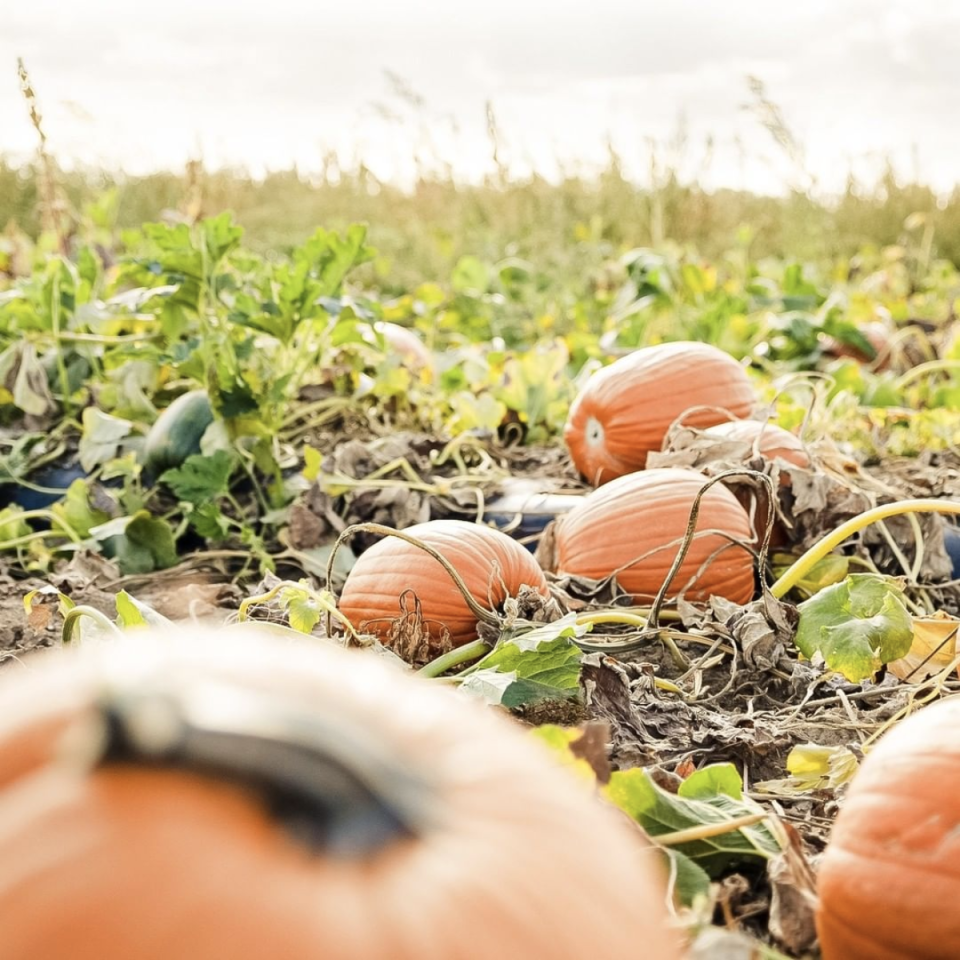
934, 647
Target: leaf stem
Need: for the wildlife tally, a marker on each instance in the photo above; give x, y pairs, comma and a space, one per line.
705, 831
922, 369
75, 613
802, 566
455, 657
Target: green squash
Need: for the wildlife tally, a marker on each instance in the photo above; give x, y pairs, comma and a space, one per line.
177, 432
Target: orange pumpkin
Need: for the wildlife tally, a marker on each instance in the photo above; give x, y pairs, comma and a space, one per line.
889, 880
625, 410
771, 442
392, 575
244, 798
633, 527
768, 439
405, 343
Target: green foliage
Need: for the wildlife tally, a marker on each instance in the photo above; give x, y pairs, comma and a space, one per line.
542, 663
715, 797
280, 345
201, 479
856, 625
139, 544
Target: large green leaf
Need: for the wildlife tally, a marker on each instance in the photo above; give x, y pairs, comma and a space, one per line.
101, 437
140, 544
856, 625
542, 663
660, 812
201, 479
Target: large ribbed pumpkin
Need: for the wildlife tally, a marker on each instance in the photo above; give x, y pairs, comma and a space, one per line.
232, 798
388, 578
889, 881
768, 439
625, 410
633, 528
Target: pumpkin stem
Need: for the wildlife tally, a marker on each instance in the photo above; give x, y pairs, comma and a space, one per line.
481, 613
332, 784
802, 566
453, 658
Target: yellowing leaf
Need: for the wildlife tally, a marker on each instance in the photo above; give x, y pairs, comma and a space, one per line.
312, 458
813, 767
933, 648
558, 740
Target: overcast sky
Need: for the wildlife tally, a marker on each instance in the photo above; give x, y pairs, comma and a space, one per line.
268, 84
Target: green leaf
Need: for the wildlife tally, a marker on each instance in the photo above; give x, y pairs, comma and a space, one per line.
538, 664
140, 544
470, 275
128, 615
100, 440
856, 625
208, 520
714, 780
534, 385
23, 377
312, 458
490, 686
201, 479
825, 572
11, 526
77, 510
220, 236
559, 740
660, 812
303, 612
814, 767
134, 613
689, 881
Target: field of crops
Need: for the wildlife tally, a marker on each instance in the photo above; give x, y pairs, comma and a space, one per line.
193, 427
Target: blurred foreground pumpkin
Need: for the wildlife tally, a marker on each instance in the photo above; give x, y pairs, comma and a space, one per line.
220, 796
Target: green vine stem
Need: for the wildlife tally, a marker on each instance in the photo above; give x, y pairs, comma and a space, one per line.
705, 831
922, 369
803, 565
50, 517
91, 613
454, 658
58, 346
31, 538
322, 600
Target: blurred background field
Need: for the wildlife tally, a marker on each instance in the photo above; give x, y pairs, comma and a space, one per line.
422, 230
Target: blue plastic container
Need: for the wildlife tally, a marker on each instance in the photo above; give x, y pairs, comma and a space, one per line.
524, 509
